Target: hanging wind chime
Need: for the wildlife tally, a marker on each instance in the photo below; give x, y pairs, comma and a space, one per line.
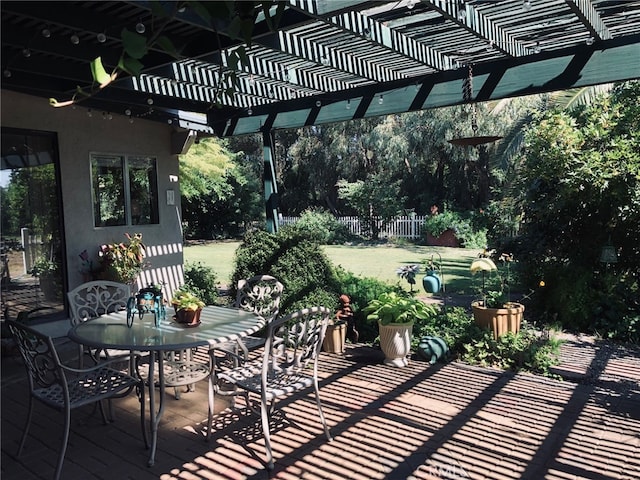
467, 96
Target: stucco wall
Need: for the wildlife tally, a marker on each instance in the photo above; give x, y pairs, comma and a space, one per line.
78, 136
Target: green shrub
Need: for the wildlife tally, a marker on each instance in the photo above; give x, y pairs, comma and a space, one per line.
522, 351
361, 290
464, 225
320, 226
297, 262
201, 281
454, 325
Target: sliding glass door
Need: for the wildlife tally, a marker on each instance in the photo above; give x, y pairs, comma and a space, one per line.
33, 275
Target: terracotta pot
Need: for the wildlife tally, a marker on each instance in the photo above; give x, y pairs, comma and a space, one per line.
188, 317
499, 320
334, 338
395, 342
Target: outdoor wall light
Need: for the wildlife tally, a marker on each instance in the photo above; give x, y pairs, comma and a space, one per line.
140, 28
101, 37
590, 41
75, 39
526, 5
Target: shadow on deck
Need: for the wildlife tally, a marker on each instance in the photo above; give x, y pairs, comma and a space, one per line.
419, 422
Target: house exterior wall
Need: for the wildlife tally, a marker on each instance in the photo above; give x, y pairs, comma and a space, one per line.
80, 135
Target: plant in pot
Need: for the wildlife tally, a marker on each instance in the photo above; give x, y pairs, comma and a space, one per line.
187, 306
395, 315
496, 311
122, 262
48, 274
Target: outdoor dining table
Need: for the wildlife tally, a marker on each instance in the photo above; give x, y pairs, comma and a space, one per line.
218, 325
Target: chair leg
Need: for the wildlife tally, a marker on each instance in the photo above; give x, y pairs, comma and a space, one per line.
319, 404
65, 440
26, 426
211, 395
264, 414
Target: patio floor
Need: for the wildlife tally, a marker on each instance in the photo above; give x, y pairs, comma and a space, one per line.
420, 422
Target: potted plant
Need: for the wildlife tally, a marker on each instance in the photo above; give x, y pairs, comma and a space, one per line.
496, 311
395, 315
187, 306
122, 262
48, 273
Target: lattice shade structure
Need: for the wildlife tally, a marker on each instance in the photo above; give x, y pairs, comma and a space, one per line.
329, 61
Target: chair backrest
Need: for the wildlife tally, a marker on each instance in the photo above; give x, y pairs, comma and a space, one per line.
92, 299
260, 295
294, 340
40, 357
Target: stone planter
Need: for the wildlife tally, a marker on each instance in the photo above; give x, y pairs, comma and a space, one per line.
395, 342
334, 338
499, 320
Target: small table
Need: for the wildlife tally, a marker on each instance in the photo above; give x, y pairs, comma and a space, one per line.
218, 325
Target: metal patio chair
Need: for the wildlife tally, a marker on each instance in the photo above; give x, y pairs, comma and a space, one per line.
288, 364
64, 388
94, 299
260, 295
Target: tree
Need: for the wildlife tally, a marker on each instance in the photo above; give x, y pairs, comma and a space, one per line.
580, 185
220, 193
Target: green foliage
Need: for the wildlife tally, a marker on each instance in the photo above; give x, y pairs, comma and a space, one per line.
361, 291
394, 307
298, 263
320, 226
454, 325
123, 261
186, 299
522, 351
200, 279
220, 192
461, 223
580, 190
43, 267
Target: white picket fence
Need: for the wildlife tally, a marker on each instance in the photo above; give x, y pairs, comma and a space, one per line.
400, 227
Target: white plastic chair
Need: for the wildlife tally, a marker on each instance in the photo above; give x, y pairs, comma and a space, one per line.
64, 388
288, 364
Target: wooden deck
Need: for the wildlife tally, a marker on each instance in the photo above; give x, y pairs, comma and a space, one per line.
419, 422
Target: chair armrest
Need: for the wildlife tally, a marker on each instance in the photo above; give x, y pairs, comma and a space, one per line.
98, 366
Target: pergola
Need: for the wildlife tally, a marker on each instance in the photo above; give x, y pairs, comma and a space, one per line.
328, 61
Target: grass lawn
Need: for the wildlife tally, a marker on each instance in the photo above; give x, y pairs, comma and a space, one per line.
377, 261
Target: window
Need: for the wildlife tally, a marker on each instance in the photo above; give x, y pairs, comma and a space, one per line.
125, 190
